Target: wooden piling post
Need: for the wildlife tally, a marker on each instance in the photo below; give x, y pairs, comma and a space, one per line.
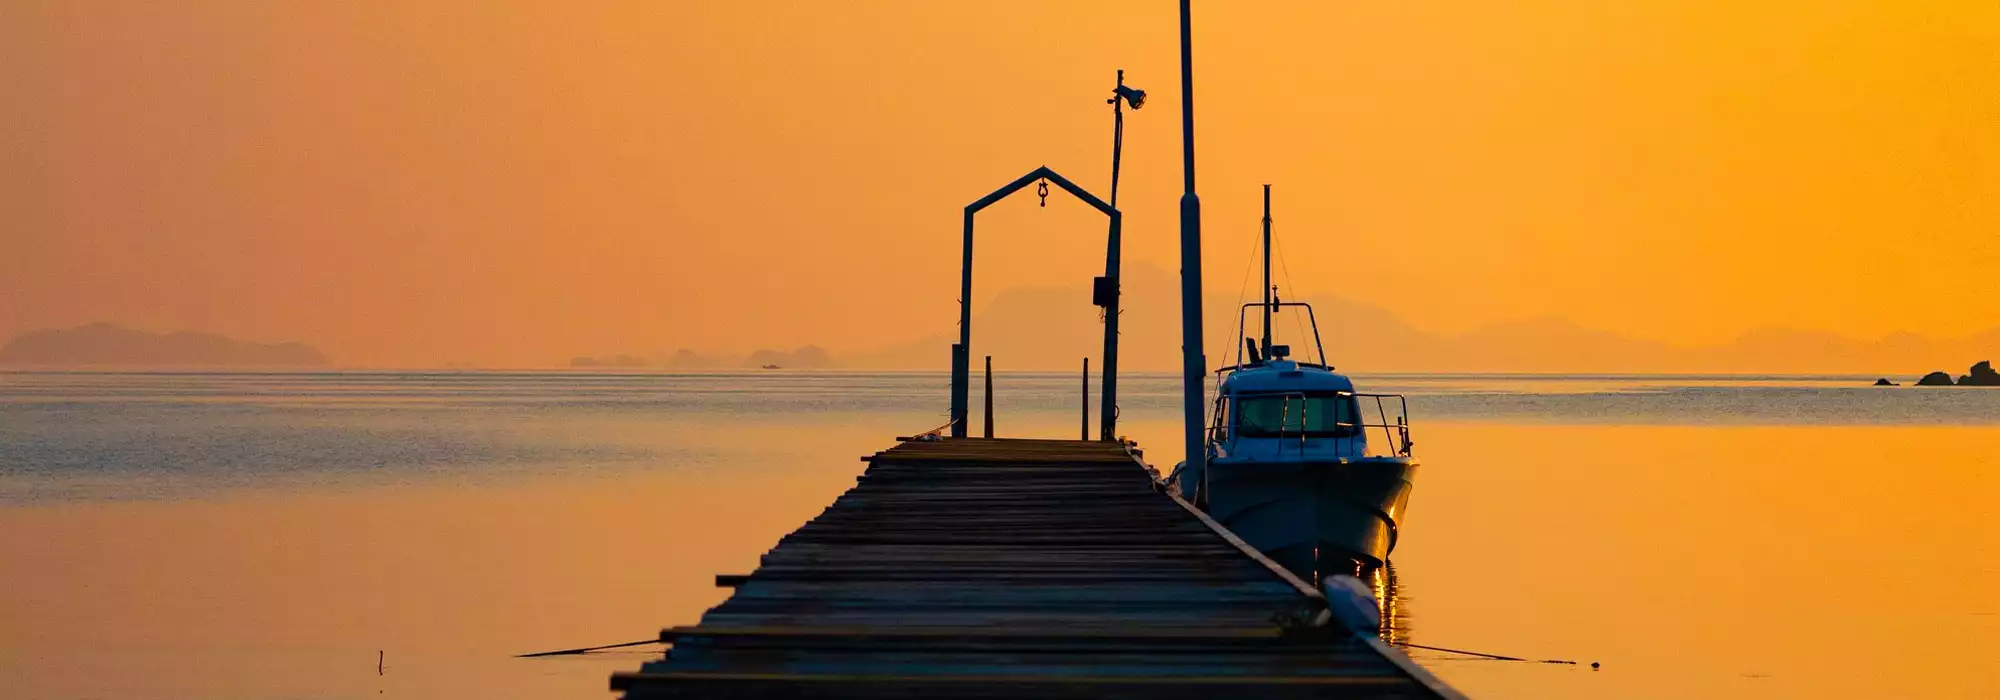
989, 396
1086, 400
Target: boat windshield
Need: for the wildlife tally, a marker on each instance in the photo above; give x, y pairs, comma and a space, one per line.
1328, 414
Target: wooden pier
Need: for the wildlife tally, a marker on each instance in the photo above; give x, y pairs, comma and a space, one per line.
1019, 568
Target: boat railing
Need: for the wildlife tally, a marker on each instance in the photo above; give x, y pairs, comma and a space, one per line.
1243, 320
1395, 434
1395, 427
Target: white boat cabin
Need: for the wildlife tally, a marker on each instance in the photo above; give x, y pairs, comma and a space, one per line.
1277, 409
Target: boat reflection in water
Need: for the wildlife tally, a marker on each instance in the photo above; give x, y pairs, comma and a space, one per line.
1389, 601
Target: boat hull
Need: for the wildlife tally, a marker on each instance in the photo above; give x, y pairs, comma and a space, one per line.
1322, 517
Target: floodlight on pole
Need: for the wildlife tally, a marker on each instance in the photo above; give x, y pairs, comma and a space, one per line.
1121, 96
1104, 290
1133, 96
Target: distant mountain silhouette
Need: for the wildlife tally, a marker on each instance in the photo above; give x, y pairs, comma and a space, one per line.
686, 359
108, 344
1053, 329
619, 361
808, 357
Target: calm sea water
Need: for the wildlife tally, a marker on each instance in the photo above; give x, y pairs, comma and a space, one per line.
278, 535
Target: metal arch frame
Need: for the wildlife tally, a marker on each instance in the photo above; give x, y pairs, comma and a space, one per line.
961, 353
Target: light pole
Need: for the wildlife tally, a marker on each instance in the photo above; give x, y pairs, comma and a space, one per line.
1121, 96
1104, 291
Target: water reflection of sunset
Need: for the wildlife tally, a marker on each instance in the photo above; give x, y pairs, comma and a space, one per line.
1691, 559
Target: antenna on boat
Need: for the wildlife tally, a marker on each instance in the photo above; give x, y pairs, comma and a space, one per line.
1269, 291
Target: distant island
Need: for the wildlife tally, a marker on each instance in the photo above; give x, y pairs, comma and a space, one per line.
109, 344
1981, 374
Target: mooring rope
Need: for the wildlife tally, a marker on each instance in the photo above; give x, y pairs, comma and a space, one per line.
585, 650
1495, 657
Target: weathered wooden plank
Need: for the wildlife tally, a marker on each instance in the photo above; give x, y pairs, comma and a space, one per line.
1010, 678
1017, 568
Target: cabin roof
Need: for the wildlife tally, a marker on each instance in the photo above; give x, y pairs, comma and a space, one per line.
1285, 375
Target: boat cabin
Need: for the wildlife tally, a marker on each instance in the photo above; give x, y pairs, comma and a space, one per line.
1271, 407
1281, 409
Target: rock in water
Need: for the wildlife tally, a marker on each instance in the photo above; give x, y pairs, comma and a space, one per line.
1935, 379
1981, 374
1884, 382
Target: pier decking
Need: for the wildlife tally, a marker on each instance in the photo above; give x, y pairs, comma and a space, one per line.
1018, 568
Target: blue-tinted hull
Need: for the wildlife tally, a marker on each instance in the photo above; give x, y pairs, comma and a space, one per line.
1311, 516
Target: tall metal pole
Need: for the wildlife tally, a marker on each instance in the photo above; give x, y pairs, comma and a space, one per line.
1108, 422
1085, 435
1194, 365
1267, 269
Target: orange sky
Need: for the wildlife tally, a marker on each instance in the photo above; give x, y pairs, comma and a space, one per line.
513, 183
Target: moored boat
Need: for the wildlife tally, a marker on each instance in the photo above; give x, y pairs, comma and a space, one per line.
1291, 467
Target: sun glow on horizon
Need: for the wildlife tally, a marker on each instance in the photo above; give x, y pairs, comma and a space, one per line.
514, 184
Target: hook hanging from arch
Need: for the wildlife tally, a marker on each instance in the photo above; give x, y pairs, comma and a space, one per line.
1042, 190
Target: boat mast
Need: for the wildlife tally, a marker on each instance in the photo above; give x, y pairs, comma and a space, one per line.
1268, 289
